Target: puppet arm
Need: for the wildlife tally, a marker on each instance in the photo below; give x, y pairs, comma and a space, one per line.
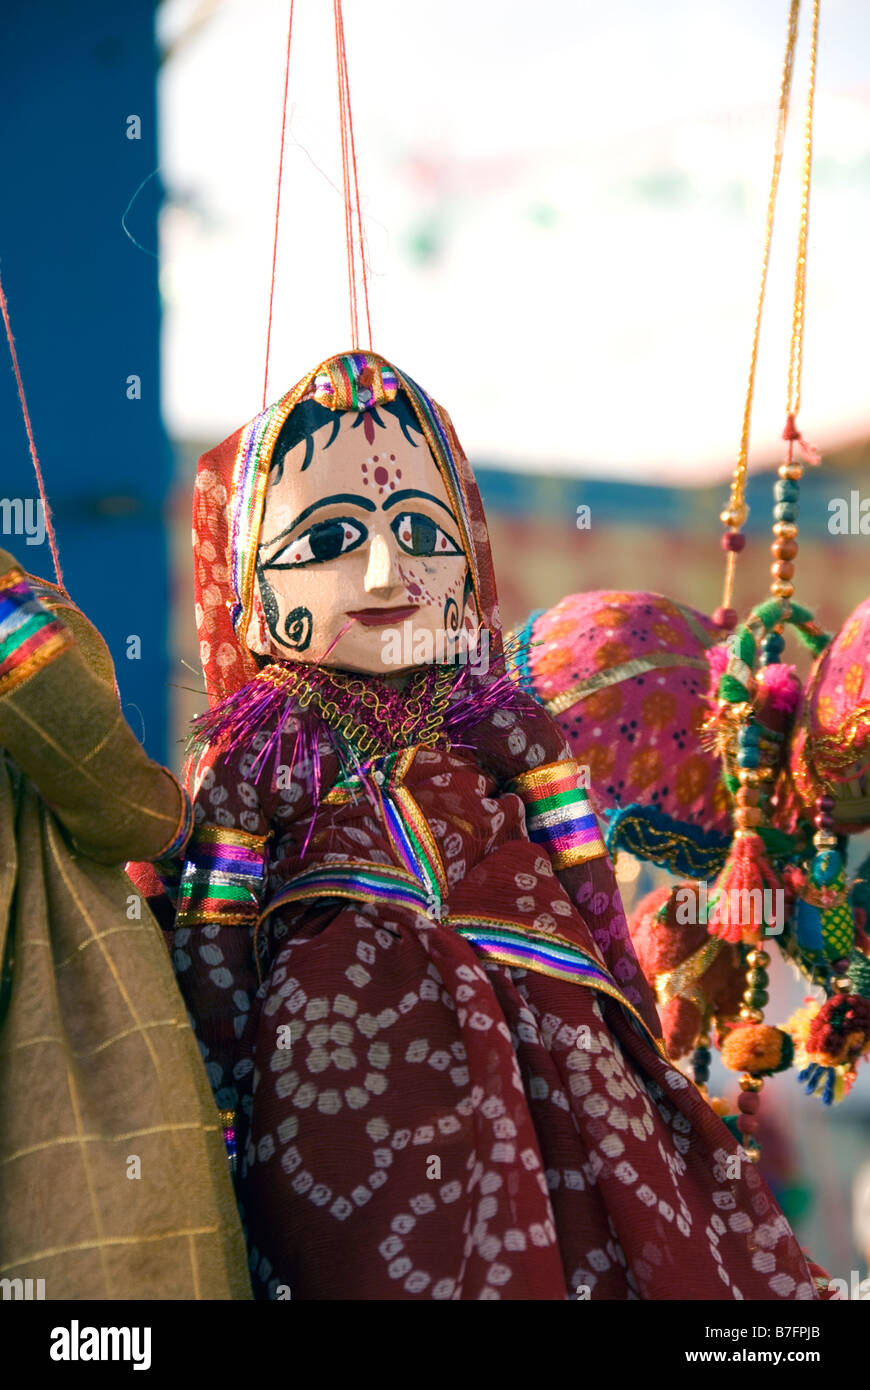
62, 724
531, 759
225, 884
217, 887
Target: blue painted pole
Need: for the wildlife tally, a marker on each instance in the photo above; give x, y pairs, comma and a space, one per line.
78, 135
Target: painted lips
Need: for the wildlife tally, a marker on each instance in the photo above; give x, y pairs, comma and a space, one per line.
383, 617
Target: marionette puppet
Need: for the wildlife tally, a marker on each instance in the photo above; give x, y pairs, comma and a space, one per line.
103, 1093
398, 931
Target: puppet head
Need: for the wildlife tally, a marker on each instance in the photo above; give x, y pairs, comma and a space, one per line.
341, 527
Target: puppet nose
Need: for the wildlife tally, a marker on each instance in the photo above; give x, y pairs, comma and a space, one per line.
381, 572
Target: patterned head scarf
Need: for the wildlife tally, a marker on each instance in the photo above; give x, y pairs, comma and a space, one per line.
230, 496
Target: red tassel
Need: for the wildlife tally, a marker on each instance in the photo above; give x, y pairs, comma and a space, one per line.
737, 914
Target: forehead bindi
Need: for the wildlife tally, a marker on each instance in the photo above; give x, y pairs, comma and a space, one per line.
374, 468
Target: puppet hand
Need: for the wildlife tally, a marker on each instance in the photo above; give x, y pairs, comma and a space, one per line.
62, 723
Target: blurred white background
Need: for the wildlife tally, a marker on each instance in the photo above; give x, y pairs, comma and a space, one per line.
572, 196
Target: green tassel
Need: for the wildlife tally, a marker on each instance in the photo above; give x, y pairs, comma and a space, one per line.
732, 690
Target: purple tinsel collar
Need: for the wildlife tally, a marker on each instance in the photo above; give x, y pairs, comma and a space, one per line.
446, 701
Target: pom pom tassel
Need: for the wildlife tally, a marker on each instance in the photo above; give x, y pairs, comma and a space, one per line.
746, 872
830, 1039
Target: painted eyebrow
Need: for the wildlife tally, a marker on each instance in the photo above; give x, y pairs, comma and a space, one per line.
412, 492
363, 502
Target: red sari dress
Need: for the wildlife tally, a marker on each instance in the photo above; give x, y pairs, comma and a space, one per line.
471, 1107
415, 986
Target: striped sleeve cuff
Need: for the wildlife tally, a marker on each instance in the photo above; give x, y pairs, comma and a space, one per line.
559, 816
183, 830
222, 879
30, 635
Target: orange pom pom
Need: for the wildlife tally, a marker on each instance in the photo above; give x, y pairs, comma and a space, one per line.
758, 1049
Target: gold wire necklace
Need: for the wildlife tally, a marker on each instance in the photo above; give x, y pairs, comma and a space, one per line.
420, 709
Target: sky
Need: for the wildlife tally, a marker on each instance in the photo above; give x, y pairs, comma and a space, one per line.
564, 214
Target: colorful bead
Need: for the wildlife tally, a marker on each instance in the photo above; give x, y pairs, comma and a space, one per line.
758, 957
734, 541
725, 618
784, 550
786, 490
786, 511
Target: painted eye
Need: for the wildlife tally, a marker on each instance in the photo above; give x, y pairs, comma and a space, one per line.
325, 541
419, 535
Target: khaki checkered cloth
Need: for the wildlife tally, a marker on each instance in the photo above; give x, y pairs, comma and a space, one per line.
113, 1176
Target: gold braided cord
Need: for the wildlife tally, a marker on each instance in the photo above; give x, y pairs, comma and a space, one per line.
737, 506
637, 666
795, 362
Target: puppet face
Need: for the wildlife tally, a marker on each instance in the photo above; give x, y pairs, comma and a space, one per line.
360, 565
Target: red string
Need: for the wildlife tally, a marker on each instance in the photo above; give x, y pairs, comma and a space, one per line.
794, 436
345, 85
278, 203
345, 177
4, 307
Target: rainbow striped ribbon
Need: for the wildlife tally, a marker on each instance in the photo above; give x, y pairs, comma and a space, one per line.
222, 879
559, 816
30, 636
357, 879
544, 954
492, 938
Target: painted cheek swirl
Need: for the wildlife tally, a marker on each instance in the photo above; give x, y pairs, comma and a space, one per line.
451, 615
297, 624
297, 628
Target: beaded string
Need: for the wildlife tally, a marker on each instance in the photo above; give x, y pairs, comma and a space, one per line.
756, 1050
734, 516
786, 491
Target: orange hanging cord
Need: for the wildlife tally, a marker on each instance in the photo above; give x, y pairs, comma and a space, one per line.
4, 308
350, 174
353, 224
278, 203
